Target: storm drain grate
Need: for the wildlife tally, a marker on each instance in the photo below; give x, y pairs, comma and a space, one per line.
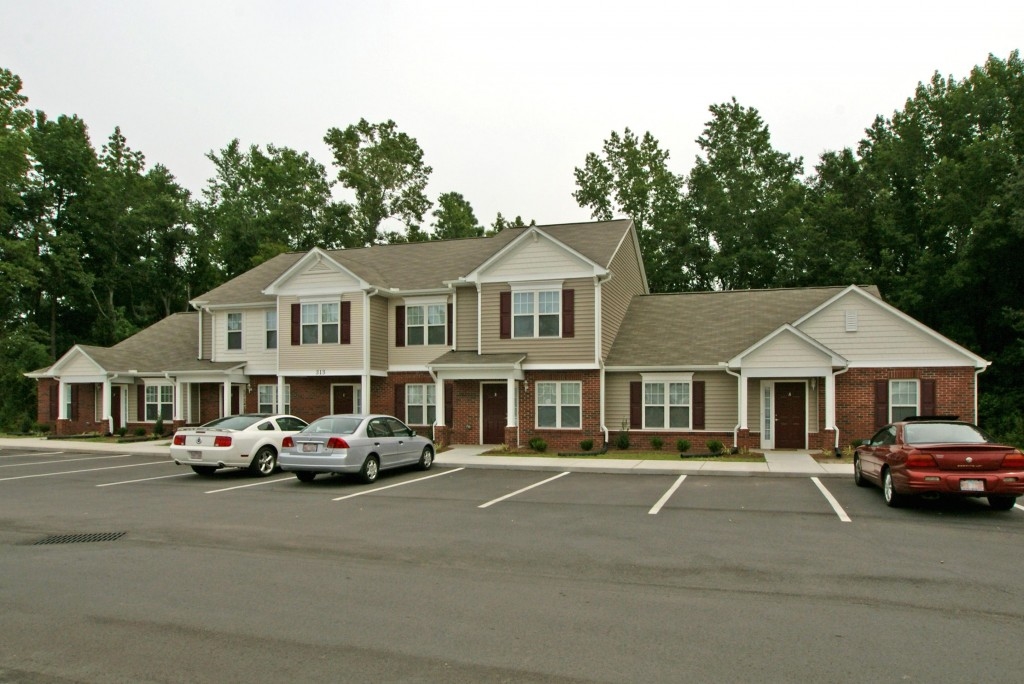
80, 538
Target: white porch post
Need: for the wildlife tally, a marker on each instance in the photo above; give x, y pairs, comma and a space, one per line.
743, 401
510, 404
830, 401
226, 408
61, 405
179, 400
107, 413
364, 394
439, 402
280, 394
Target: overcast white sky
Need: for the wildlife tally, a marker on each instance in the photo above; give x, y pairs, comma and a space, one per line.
504, 98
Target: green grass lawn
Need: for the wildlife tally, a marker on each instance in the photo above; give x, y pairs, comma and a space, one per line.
749, 457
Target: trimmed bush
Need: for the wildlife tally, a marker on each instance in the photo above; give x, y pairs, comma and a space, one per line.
715, 447
683, 445
622, 441
538, 444
656, 443
587, 444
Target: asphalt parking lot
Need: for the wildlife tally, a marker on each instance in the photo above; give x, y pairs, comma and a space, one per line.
462, 574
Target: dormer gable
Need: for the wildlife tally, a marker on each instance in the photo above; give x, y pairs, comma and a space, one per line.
535, 255
787, 347
316, 273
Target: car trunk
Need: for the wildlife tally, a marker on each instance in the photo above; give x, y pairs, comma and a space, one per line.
965, 458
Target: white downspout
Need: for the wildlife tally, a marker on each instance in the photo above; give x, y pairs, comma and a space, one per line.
741, 395
835, 427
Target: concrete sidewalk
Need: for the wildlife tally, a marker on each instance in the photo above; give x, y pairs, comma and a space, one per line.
777, 463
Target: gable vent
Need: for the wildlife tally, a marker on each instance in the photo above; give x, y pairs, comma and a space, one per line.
851, 320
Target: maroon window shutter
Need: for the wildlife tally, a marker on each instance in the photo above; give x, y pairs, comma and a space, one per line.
296, 325
346, 323
505, 310
54, 402
140, 391
881, 403
400, 401
928, 398
568, 313
698, 405
636, 405
449, 403
451, 311
399, 326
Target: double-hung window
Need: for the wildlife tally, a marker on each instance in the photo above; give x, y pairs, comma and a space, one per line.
271, 327
559, 404
321, 323
235, 331
902, 399
426, 324
420, 404
268, 399
537, 313
159, 402
667, 402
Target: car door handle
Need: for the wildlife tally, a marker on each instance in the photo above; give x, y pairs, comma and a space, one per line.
376, 444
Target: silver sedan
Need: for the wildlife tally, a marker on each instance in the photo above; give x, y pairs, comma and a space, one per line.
354, 443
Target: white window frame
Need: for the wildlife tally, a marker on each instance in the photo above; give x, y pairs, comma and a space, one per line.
665, 381
270, 322
426, 323
266, 396
67, 401
321, 323
235, 332
422, 396
528, 305
162, 400
894, 394
560, 403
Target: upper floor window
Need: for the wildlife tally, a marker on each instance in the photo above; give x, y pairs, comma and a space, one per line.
426, 324
321, 323
271, 327
902, 399
159, 402
268, 399
547, 311
559, 404
234, 331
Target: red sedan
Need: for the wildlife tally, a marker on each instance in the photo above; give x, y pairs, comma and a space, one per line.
933, 457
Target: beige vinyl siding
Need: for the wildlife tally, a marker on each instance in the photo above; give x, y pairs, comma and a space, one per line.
320, 277
539, 259
880, 335
465, 319
332, 359
417, 354
379, 333
720, 400
616, 293
786, 351
80, 365
573, 350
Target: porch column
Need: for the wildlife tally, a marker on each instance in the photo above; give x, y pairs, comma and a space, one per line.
830, 401
107, 398
364, 394
179, 401
226, 408
742, 394
439, 402
280, 394
61, 405
510, 404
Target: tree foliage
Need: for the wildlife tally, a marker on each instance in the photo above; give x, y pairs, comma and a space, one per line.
455, 218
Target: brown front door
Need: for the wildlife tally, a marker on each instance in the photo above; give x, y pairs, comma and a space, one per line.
790, 415
495, 416
115, 406
343, 399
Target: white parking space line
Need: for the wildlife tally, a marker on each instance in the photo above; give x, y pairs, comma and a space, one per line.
251, 484
397, 484
1018, 506
666, 496
87, 470
30, 453
524, 489
832, 500
63, 460
145, 479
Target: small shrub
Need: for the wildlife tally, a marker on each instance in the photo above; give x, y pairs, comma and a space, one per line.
715, 447
158, 427
622, 441
122, 431
683, 445
656, 443
587, 444
140, 432
538, 444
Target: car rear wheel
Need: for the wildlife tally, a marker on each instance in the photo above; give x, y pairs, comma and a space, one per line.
305, 475
370, 469
858, 476
205, 471
264, 462
426, 458
892, 498
1002, 503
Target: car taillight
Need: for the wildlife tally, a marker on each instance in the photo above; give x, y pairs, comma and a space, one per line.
288, 442
222, 441
919, 459
179, 440
337, 443
1014, 459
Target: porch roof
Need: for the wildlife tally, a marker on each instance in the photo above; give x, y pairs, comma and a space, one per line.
470, 359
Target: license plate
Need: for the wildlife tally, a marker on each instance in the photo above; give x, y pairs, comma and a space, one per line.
195, 455
972, 485
308, 447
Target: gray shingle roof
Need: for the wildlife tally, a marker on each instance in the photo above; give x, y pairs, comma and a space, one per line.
705, 328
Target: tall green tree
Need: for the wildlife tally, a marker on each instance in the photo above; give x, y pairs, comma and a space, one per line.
454, 218
384, 168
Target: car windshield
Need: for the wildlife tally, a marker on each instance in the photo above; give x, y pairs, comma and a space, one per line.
234, 422
335, 425
942, 433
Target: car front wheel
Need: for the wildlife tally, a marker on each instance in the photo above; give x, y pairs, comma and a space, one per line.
426, 458
370, 470
1002, 503
264, 462
892, 498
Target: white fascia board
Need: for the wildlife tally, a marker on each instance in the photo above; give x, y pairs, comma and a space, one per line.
478, 373
979, 362
912, 363
560, 366
787, 372
663, 369
316, 254
241, 305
